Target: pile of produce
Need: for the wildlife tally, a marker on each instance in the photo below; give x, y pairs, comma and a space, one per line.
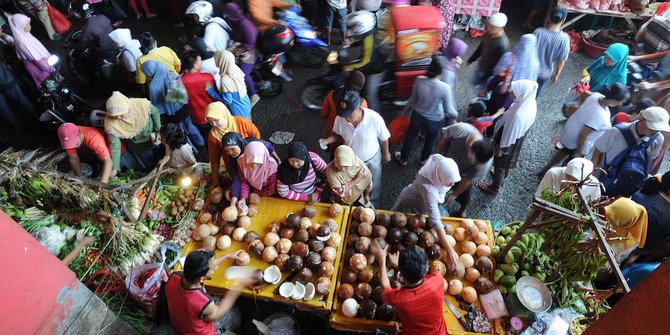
359, 291
613, 5
294, 244
525, 258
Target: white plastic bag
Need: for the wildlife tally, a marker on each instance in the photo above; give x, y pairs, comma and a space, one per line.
50, 238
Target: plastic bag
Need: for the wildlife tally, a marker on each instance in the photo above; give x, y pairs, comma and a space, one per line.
161, 253
177, 92
398, 129
145, 290
51, 238
59, 22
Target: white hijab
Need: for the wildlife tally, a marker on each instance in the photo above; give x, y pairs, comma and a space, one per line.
521, 114
122, 37
440, 171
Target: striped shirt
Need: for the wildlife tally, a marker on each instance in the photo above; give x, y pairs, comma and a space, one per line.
301, 190
269, 186
552, 46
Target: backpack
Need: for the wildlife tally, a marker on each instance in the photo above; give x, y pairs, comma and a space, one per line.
628, 169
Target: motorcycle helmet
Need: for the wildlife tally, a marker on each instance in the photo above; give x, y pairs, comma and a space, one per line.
201, 11
80, 9
360, 23
276, 39
369, 5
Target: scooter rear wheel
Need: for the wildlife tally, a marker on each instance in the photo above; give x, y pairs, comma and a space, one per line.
312, 96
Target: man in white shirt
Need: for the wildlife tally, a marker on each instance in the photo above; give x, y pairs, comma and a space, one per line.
364, 130
577, 169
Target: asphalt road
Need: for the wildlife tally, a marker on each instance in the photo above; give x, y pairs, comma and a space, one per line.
284, 113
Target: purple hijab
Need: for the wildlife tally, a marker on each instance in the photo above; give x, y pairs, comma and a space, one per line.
243, 30
455, 48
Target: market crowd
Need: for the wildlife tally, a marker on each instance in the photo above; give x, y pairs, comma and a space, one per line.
198, 106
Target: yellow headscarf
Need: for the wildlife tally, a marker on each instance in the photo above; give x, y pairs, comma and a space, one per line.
135, 114
629, 219
345, 156
219, 111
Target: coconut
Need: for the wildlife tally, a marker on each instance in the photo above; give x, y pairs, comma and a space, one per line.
416, 221
434, 251
410, 238
309, 211
203, 231
467, 260
284, 245
252, 210
287, 233
483, 286
399, 219
438, 267
323, 285
345, 291
213, 229
270, 239
365, 275
315, 245
275, 227
326, 269
205, 218
329, 254
238, 234
304, 276
481, 238
229, 214
209, 243
292, 221
244, 221
323, 233
256, 248
294, 263
458, 272
397, 247
363, 291
332, 224
471, 274
251, 236
353, 238
350, 308
212, 208
254, 199
469, 295
223, 242
426, 239
483, 250
335, 240
365, 229
228, 229
281, 260
335, 210
451, 240
448, 228
363, 245
379, 231
367, 215
216, 195
302, 236
481, 225
455, 287
313, 260
469, 247
197, 205
385, 312
305, 223
466, 223
472, 232
242, 258
459, 234
378, 295
394, 235
358, 262
367, 309
484, 265
270, 254
299, 248
383, 219
349, 276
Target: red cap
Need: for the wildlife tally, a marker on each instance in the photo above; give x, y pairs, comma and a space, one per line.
68, 133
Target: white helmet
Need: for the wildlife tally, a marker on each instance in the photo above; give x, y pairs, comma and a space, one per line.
202, 10
369, 5
360, 23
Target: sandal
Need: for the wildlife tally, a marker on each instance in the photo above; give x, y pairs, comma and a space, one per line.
398, 158
486, 187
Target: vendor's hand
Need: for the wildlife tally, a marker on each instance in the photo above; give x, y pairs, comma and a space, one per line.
377, 250
231, 255
208, 85
450, 260
585, 81
86, 241
451, 198
240, 204
393, 260
554, 78
312, 198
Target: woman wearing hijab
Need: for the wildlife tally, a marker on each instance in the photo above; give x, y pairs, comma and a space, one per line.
28, 49
243, 32
171, 112
448, 10
232, 89
577, 170
223, 122
355, 82
300, 177
136, 123
348, 177
453, 52
426, 195
655, 197
522, 62
130, 48
510, 132
257, 171
629, 221
608, 69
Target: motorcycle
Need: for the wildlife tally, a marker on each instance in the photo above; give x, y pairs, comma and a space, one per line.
311, 50
273, 42
62, 105
84, 65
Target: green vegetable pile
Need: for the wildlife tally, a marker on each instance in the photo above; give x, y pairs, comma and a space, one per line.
525, 258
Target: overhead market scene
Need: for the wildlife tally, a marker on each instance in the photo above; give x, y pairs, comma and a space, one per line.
332, 167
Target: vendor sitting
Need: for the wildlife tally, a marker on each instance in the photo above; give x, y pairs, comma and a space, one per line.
302, 176
191, 309
89, 141
419, 300
577, 169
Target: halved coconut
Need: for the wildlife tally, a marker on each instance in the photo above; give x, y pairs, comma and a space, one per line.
310, 290
272, 274
298, 291
286, 290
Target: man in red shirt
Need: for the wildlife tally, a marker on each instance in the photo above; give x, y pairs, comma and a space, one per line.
419, 300
91, 140
191, 309
195, 83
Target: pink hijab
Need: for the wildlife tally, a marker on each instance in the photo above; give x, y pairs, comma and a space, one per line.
27, 46
256, 152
